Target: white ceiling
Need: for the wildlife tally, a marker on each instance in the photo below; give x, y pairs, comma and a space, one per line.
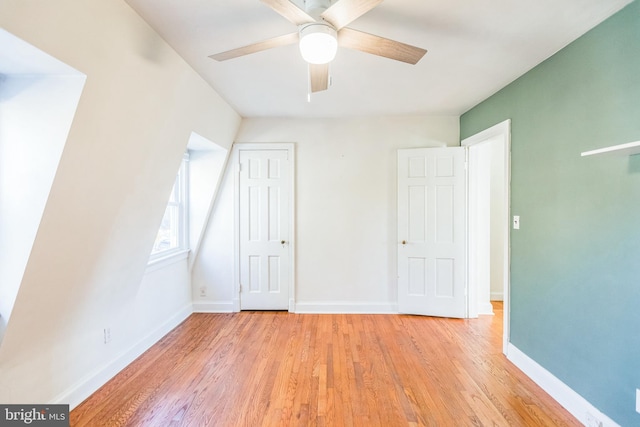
474, 49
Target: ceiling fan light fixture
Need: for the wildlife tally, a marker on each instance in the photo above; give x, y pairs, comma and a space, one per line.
318, 43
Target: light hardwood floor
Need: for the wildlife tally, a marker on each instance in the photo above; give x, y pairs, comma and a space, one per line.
282, 369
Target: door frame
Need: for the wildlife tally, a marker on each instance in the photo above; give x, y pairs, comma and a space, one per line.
236, 149
503, 131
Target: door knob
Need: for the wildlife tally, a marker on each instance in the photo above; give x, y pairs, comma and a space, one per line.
404, 242
283, 242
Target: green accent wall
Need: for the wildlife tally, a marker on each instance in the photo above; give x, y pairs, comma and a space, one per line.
575, 262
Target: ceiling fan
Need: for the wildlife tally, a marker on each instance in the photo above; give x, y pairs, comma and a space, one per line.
321, 29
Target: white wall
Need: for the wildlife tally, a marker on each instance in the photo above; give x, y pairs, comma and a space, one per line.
345, 209
138, 108
36, 111
488, 216
213, 266
480, 230
206, 164
498, 219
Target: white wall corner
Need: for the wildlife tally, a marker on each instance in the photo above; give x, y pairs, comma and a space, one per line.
577, 405
345, 307
214, 307
84, 388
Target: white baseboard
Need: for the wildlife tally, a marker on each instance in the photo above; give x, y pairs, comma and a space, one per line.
345, 307
578, 406
213, 307
84, 388
497, 296
485, 309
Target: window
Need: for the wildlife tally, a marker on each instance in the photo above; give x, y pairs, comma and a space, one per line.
172, 237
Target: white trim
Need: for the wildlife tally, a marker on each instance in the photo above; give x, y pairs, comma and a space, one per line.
497, 296
345, 307
166, 260
213, 307
91, 382
577, 405
237, 147
629, 149
181, 190
484, 310
502, 129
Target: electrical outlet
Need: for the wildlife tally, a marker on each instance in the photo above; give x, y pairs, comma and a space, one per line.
107, 335
516, 222
592, 421
203, 291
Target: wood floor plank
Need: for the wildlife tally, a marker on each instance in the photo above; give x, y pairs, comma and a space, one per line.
282, 369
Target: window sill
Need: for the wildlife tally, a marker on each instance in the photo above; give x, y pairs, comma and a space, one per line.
163, 261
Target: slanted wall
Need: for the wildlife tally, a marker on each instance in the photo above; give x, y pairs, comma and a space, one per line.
139, 106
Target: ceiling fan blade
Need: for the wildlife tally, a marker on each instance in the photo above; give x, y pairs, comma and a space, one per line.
375, 45
290, 11
257, 47
346, 11
319, 77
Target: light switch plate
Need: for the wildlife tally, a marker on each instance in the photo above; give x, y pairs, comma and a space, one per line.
516, 222
638, 400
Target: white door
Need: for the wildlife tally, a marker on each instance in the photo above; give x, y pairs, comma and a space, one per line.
432, 232
264, 229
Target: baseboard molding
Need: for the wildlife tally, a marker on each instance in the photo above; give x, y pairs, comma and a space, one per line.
485, 309
84, 388
578, 406
345, 307
213, 307
497, 296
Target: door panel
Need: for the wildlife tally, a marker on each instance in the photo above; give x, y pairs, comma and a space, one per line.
416, 276
264, 226
432, 232
445, 214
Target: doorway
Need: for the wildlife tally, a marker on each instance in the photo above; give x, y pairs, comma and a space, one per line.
488, 226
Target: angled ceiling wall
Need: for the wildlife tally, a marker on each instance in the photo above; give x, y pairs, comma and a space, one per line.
38, 99
140, 103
